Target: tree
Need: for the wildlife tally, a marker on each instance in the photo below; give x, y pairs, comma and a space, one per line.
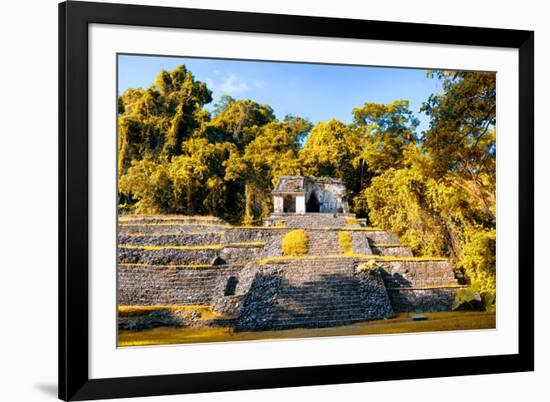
235, 121
329, 150
461, 138
153, 123
149, 184
272, 153
385, 130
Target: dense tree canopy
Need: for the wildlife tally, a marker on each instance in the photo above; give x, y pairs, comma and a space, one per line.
436, 189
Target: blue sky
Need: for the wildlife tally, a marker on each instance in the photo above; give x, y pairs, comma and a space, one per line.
315, 91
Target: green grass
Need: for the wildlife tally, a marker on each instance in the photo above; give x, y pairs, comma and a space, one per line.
447, 321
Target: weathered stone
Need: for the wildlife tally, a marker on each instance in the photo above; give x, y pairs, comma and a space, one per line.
468, 301
284, 294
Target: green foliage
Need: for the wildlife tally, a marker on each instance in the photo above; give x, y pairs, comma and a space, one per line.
295, 243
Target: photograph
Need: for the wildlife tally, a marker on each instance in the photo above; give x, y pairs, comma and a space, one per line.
267, 199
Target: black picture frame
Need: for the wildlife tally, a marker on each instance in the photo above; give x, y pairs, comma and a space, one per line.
74, 381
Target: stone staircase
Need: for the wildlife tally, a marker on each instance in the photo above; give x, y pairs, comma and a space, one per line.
310, 220
314, 293
323, 243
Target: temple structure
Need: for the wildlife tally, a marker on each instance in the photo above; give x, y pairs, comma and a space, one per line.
304, 194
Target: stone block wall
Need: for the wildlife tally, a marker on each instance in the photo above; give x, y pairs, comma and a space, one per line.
154, 285
360, 242
420, 285
149, 286
423, 273
422, 300
167, 256
392, 250
381, 236
168, 239
244, 235
241, 254
168, 227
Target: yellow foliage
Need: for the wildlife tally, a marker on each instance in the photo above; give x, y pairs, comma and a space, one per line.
153, 248
478, 260
173, 266
386, 258
295, 242
344, 238
350, 220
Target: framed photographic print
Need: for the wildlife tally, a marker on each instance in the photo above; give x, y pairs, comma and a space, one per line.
258, 200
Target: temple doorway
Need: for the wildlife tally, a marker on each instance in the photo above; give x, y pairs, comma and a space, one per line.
289, 203
313, 204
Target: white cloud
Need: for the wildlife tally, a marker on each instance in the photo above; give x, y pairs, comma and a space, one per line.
232, 85
258, 83
210, 83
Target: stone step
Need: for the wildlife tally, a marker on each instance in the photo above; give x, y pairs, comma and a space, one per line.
166, 239
321, 279
326, 306
343, 305
319, 318
169, 218
313, 301
157, 228
313, 324
167, 256
318, 270
321, 291
342, 312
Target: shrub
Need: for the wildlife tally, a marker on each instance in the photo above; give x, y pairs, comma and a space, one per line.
478, 260
468, 299
368, 267
295, 242
344, 238
279, 224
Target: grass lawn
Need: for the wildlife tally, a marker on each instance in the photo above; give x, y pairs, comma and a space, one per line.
447, 321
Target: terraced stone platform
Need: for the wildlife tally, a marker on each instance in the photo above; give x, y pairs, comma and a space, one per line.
239, 271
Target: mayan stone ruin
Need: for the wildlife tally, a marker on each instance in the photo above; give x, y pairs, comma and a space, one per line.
241, 272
